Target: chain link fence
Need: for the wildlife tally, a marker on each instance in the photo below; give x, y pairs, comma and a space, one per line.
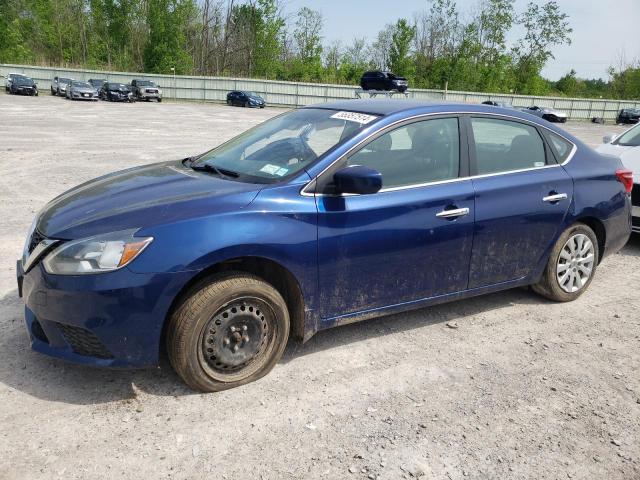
294, 94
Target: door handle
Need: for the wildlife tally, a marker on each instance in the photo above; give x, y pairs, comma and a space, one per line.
554, 197
454, 213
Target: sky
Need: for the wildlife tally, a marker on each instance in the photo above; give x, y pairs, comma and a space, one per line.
603, 30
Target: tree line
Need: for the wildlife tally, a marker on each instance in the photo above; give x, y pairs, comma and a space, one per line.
434, 48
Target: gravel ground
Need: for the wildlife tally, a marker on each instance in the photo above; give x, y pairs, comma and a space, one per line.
519, 388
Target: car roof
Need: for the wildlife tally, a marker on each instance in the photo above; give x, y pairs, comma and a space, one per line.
393, 106
410, 107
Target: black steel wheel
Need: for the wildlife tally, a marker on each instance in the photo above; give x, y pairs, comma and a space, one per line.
237, 335
228, 331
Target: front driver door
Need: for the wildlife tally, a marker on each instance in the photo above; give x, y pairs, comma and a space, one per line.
412, 240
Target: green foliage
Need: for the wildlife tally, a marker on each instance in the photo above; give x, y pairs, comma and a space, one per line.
166, 47
438, 46
400, 60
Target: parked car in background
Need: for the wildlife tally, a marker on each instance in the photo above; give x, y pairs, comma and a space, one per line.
319, 217
61, 85
628, 115
626, 147
243, 98
379, 80
81, 91
146, 90
548, 113
96, 83
21, 85
10, 79
493, 103
116, 92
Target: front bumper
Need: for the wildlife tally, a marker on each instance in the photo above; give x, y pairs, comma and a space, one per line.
112, 319
26, 91
119, 97
84, 96
149, 95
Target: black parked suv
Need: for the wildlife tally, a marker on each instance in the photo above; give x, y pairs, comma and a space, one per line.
23, 86
628, 115
377, 80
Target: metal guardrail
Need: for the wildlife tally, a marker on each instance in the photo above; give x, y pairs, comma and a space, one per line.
294, 94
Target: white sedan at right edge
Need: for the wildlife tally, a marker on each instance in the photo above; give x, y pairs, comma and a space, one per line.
626, 147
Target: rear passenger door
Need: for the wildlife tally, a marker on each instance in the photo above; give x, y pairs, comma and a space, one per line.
521, 198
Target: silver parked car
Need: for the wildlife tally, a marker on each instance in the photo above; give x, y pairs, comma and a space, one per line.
81, 91
59, 85
548, 113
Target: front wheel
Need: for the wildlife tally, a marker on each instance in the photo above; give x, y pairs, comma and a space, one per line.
571, 265
229, 331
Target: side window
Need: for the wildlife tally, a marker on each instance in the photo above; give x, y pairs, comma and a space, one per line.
503, 146
421, 152
561, 147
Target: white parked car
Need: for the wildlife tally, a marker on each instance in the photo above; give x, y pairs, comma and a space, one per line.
548, 113
626, 147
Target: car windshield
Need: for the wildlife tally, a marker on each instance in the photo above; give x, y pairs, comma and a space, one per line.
96, 82
81, 85
64, 80
22, 81
282, 146
251, 94
145, 83
117, 86
630, 138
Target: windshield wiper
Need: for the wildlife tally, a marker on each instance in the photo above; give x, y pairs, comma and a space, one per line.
223, 172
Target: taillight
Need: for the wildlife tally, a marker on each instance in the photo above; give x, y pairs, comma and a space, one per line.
626, 178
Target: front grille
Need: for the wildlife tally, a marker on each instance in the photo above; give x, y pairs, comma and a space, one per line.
635, 195
36, 238
83, 342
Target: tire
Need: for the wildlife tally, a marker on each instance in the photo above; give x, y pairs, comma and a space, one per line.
229, 102
561, 258
159, 100
245, 104
206, 343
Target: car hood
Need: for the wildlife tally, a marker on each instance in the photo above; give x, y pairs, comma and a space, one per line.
83, 90
629, 156
256, 98
141, 197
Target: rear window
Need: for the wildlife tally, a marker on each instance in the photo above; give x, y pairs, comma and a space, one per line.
503, 146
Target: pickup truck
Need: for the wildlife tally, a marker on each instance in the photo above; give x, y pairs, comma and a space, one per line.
146, 90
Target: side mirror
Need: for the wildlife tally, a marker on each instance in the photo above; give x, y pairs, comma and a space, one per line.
609, 138
357, 179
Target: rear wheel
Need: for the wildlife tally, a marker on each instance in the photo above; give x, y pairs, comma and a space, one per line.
229, 331
571, 265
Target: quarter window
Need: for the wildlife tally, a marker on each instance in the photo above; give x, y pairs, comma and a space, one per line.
561, 147
421, 152
503, 146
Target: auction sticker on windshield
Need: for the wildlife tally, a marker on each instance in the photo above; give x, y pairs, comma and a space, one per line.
361, 118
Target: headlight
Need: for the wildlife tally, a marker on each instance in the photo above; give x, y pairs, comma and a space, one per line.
102, 253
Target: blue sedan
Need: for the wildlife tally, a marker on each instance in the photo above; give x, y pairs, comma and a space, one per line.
322, 216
